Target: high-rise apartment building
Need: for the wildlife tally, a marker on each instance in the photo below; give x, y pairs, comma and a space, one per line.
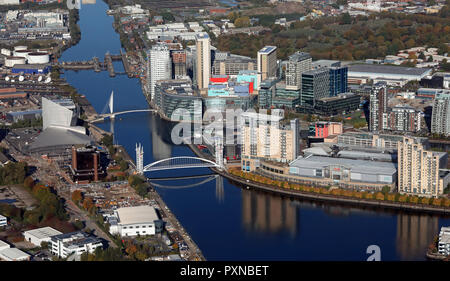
418, 169
203, 61
267, 62
160, 66
401, 118
440, 119
315, 85
378, 106
265, 137
178, 64
298, 63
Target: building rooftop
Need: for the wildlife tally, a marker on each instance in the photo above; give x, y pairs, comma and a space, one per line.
138, 214
18, 113
338, 97
202, 35
59, 136
3, 244
357, 166
316, 71
11, 254
387, 69
267, 49
326, 63
299, 56
30, 66
44, 232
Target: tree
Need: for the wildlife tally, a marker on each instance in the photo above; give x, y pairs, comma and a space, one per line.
346, 19
28, 183
242, 22
386, 189
77, 196
88, 203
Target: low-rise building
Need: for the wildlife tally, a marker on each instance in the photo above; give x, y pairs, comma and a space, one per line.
133, 221
444, 241
4, 245
345, 172
13, 254
77, 243
39, 235
3, 221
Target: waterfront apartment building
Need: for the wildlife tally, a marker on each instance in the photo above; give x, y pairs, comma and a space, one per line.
203, 61
160, 66
315, 85
268, 137
298, 63
440, 119
179, 69
267, 62
378, 106
418, 169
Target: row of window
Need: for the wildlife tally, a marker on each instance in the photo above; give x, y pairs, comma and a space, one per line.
144, 226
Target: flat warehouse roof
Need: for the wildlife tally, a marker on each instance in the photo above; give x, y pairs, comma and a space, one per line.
138, 214
13, 254
4, 244
41, 233
388, 69
357, 166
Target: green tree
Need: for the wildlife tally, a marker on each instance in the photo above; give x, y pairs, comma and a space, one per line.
346, 18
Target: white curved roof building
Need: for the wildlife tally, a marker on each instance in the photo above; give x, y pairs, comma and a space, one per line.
38, 58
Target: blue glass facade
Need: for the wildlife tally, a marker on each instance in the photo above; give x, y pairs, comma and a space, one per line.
338, 80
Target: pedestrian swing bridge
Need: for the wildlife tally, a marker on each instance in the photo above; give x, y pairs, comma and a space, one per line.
110, 107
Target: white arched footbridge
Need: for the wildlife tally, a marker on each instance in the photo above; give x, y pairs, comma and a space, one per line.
180, 162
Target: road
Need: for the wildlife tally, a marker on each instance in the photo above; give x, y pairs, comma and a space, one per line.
78, 214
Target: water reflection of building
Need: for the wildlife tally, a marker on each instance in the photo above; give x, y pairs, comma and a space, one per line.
220, 192
268, 213
414, 234
160, 148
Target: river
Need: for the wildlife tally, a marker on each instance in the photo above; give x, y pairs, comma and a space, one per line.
226, 222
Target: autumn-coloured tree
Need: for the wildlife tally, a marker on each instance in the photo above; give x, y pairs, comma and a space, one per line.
77, 196
88, 203
28, 183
